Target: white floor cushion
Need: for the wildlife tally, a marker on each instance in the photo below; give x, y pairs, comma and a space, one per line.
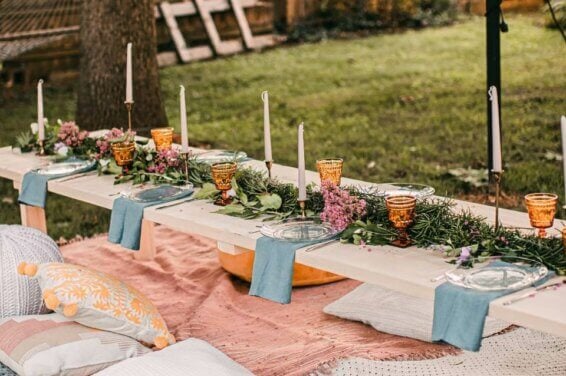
392, 312
192, 357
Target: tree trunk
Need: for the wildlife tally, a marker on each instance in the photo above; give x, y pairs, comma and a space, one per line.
106, 28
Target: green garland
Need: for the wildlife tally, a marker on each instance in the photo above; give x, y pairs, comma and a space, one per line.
436, 223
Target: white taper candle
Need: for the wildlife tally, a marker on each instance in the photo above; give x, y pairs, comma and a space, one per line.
301, 163
184, 129
563, 128
40, 117
266, 127
129, 85
495, 131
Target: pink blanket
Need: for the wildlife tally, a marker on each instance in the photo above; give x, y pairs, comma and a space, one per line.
198, 299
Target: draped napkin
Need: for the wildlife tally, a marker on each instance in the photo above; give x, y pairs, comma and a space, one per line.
126, 222
460, 313
34, 189
272, 276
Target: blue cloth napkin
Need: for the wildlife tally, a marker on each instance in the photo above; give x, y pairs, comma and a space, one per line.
127, 216
272, 276
459, 313
34, 189
126, 222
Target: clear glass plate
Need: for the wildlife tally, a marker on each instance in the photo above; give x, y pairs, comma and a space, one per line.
160, 193
299, 230
214, 156
496, 278
419, 191
62, 169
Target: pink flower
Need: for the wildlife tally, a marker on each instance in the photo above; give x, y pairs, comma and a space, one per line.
340, 208
71, 135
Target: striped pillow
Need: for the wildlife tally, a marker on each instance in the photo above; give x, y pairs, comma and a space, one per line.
52, 345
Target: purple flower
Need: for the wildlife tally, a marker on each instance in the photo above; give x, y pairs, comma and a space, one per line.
465, 254
70, 134
340, 208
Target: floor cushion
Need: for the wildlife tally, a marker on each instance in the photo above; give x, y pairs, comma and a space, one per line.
51, 344
192, 357
100, 301
6, 371
392, 312
19, 295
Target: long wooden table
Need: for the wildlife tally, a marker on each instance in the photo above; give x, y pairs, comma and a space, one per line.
406, 270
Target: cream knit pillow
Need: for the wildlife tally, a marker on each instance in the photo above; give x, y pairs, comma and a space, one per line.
20, 295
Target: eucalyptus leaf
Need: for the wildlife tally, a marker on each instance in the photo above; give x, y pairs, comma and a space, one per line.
207, 191
270, 201
233, 209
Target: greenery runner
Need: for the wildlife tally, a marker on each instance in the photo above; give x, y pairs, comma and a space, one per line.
361, 213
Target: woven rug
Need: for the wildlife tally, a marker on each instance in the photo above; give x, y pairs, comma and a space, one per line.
521, 352
5, 371
198, 299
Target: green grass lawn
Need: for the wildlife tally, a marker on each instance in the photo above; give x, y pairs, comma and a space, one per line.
401, 107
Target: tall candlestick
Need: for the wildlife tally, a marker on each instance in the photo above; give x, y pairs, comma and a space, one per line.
563, 128
129, 87
266, 127
301, 154
497, 165
184, 129
40, 118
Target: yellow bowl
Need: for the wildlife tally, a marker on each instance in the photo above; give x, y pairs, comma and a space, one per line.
242, 266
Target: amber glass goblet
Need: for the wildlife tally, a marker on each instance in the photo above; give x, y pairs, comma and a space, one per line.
222, 174
162, 137
541, 208
401, 213
330, 170
123, 152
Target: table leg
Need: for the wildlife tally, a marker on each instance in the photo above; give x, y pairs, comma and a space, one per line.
33, 216
147, 242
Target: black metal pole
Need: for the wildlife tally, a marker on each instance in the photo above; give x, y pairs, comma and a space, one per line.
493, 54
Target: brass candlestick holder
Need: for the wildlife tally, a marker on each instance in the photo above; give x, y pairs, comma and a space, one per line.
269, 164
303, 206
185, 159
542, 209
330, 170
401, 213
129, 107
41, 152
222, 174
564, 238
162, 137
497, 179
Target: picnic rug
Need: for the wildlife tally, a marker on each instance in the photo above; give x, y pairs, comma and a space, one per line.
199, 299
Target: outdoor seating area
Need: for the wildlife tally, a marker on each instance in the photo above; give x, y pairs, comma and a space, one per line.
338, 231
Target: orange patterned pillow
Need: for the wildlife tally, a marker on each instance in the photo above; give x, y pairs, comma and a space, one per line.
100, 301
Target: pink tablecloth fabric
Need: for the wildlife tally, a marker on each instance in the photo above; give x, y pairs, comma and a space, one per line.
198, 299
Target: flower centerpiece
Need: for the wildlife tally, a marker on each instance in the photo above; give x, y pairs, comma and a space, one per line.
63, 139
340, 207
